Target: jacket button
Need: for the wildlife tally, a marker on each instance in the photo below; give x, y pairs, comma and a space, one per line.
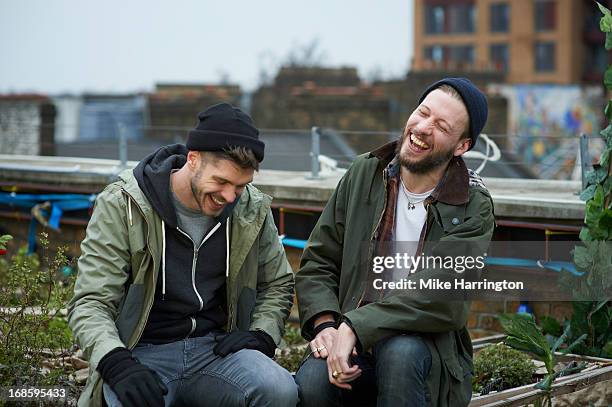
455, 221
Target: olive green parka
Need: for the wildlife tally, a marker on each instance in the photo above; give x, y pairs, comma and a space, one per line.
119, 263
332, 276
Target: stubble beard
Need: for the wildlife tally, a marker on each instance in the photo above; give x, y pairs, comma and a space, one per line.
428, 163
196, 192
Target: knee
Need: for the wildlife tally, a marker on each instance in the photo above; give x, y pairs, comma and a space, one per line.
275, 387
406, 352
312, 381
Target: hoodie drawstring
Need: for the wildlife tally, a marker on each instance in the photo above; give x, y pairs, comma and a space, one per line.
227, 249
163, 259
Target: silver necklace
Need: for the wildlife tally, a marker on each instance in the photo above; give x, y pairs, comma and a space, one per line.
411, 204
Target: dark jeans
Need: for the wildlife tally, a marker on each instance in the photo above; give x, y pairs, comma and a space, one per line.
393, 375
195, 376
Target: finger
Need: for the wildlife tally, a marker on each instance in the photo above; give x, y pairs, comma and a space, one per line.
341, 385
219, 338
351, 376
313, 347
354, 353
346, 369
324, 354
328, 342
330, 370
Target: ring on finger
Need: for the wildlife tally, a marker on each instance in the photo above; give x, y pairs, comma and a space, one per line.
336, 374
319, 349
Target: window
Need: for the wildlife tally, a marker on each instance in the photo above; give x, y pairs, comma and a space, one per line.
499, 57
500, 17
450, 18
458, 54
463, 54
545, 56
434, 20
545, 15
434, 53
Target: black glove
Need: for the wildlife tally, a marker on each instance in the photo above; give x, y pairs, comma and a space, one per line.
134, 384
233, 342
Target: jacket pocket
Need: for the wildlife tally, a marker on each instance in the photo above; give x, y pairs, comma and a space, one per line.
130, 313
460, 381
245, 307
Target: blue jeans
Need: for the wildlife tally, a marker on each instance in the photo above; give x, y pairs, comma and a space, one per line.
393, 375
195, 376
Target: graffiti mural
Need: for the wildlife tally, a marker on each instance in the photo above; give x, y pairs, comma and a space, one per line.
545, 122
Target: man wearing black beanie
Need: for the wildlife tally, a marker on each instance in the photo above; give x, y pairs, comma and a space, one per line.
183, 286
377, 337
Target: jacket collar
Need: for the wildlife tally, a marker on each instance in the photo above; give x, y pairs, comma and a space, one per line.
453, 188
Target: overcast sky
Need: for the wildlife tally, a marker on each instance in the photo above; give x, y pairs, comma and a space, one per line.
54, 46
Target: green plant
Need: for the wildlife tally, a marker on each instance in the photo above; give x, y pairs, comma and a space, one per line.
32, 329
292, 353
4, 239
499, 367
592, 311
523, 334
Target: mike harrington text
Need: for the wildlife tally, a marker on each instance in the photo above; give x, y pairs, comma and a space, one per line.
456, 284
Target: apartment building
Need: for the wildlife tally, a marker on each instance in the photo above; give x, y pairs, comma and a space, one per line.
530, 41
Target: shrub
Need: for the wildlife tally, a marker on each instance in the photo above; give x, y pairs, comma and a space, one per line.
499, 367
33, 292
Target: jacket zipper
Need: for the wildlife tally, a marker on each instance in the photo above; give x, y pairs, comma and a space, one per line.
194, 262
148, 309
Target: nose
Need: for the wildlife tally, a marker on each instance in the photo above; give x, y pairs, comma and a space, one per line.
229, 193
424, 126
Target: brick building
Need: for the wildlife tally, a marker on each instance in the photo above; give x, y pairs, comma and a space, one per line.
538, 41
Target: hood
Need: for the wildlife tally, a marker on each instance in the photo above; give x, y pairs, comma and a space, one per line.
153, 177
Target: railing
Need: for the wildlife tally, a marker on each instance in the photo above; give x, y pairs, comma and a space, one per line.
322, 150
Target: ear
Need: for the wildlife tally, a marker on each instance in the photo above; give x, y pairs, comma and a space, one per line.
462, 147
193, 159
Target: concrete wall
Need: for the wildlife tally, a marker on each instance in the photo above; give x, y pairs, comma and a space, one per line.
26, 126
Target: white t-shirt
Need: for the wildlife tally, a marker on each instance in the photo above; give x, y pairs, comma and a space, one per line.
410, 215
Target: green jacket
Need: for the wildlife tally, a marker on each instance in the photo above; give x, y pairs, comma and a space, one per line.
332, 276
119, 263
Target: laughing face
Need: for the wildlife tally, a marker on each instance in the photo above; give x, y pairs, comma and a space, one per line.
217, 183
432, 135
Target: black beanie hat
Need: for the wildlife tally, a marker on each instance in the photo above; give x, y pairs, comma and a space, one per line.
475, 101
222, 126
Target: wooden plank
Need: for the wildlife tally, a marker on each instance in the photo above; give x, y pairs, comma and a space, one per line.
525, 394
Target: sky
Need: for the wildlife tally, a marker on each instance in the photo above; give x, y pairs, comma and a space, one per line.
73, 46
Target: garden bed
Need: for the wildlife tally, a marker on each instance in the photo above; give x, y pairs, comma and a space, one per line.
591, 386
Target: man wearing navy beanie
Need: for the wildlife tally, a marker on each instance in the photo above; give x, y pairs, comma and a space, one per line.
375, 339
184, 286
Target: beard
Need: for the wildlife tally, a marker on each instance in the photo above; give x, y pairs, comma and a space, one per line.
196, 191
428, 163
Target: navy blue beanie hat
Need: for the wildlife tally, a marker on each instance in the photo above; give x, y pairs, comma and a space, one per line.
475, 101
222, 126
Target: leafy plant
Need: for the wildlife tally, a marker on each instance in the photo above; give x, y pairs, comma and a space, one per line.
291, 355
523, 334
32, 329
499, 367
4, 239
592, 311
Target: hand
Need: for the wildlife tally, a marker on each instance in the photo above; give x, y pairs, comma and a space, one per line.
133, 383
234, 341
324, 341
338, 358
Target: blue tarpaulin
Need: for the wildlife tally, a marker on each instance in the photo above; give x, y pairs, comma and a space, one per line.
58, 204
